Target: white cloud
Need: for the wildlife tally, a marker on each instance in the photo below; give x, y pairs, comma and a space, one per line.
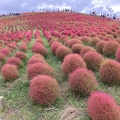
24, 4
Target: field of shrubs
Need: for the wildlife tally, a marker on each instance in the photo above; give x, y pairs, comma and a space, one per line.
59, 66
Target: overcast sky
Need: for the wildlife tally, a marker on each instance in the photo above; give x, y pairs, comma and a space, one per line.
105, 6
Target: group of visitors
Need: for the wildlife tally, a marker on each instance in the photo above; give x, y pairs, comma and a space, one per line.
114, 16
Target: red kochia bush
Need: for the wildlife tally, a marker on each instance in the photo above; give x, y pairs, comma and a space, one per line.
15, 61
20, 55
2, 56
39, 69
23, 47
62, 51
54, 46
9, 72
101, 106
72, 62
44, 90
99, 46
76, 48
33, 60
86, 49
82, 81
93, 60
94, 41
110, 48
5, 51
117, 55
40, 49
73, 41
36, 55
110, 72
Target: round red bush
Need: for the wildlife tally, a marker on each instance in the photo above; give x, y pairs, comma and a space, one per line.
101, 106
76, 48
33, 60
82, 81
36, 55
54, 46
73, 41
110, 48
9, 72
62, 51
23, 47
2, 57
85, 39
5, 51
39, 69
86, 49
93, 60
40, 49
71, 62
94, 41
99, 46
20, 55
15, 61
117, 55
109, 72
44, 90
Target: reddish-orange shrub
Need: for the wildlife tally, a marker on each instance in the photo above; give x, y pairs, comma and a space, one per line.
39, 69
93, 60
101, 106
76, 48
110, 48
72, 62
86, 49
9, 72
117, 55
62, 51
20, 55
99, 46
110, 72
44, 90
15, 61
82, 81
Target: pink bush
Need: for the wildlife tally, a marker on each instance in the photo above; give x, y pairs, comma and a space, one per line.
15, 61
9, 72
39, 69
102, 106
117, 55
44, 90
93, 60
110, 48
62, 51
71, 62
109, 72
82, 81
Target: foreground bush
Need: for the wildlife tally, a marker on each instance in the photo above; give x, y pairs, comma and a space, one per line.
93, 60
99, 46
102, 106
9, 72
76, 48
110, 72
15, 61
44, 90
20, 55
110, 48
62, 51
39, 69
71, 62
117, 55
82, 81
86, 49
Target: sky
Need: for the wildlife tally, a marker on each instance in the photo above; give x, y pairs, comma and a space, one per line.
83, 6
